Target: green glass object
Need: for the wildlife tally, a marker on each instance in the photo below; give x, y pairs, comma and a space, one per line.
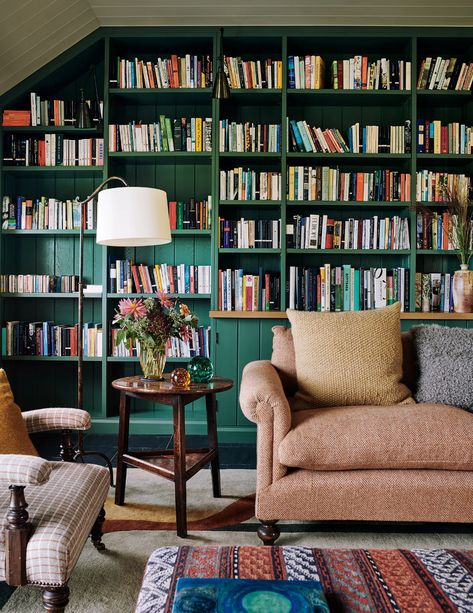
201, 369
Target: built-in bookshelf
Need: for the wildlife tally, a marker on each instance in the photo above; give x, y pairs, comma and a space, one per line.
287, 177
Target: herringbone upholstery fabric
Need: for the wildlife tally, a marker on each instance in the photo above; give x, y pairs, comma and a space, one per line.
352, 358
399, 436
42, 420
62, 513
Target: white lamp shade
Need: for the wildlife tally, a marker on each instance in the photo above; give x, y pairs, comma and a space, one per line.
132, 217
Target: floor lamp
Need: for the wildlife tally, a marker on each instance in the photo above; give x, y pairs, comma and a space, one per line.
126, 217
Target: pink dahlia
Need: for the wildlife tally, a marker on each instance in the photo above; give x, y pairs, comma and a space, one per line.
166, 301
135, 308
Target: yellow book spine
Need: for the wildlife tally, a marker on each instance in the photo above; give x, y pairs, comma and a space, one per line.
198, 134
159, 279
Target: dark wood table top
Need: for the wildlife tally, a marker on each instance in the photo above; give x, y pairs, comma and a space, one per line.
136, 385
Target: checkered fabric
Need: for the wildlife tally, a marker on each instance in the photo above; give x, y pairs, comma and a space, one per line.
23, 469
62, 513
41, 420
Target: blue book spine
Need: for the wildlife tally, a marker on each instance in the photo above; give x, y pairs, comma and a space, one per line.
187, 279
305, 138
19, 205
364, 140
297, 135
291, 73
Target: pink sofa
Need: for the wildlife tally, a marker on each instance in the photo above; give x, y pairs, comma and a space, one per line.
405, 463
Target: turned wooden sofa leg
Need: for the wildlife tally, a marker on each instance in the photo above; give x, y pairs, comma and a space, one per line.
96, 532
269, 532
56, 599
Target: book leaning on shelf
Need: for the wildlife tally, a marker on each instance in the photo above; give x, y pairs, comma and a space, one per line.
434, 292
175, 72
45, 213
249, 233
370, 139
39, 284
249, 137
249, 74
245, 184
323, 232
52, 150
324, 183
359, 72
345, 288
191, 215
433, 186
44, 338
197, 345
445, 74
239, 291
433, 137
126, 277
183, 134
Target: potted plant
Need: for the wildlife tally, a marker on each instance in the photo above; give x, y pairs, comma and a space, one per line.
151, 322
460, 233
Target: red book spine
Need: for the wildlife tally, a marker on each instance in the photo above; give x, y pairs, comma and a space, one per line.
136, 279
172, 214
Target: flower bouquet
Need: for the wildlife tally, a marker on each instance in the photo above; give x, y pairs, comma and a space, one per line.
151, 322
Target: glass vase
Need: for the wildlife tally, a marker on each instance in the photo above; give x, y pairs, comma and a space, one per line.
463, 290
153, 361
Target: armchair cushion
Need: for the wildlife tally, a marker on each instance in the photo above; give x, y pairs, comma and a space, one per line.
62, 513
13, 434
416, 436
351, 358
23, 470
41, 420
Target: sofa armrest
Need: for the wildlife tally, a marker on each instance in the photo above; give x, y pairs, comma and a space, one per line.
42, 420
23, 470
263, 401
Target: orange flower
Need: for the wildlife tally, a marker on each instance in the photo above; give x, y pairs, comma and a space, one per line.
184, 310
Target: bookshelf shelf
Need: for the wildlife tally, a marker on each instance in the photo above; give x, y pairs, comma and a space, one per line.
443, 252
50, 295
236, 337
47, 358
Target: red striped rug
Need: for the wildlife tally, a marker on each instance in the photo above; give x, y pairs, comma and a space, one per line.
353, 580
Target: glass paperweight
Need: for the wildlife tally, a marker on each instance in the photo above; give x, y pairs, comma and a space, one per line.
201, 369
180, 377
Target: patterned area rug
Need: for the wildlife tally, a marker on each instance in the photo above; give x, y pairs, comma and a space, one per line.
353, 580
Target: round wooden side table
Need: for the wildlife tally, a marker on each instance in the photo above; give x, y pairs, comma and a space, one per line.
176, 464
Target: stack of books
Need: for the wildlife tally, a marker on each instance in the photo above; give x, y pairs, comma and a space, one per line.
305, 72
248, 137
445, 74
191, 215
239, 291
39, 284
52, 150
434, 292
197, 345
21, 213
249, 233
359, 72
194, 71
60, 112
433, 186
245, 184
12, 118
433, 137
434, 230
259, 74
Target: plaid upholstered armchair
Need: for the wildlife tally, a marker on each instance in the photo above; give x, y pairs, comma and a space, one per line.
41, 539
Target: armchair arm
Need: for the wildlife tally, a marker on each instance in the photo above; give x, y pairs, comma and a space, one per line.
23, 470
41, 420
263, 401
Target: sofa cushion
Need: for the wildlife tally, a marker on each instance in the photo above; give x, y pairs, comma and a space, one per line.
380, 437
283, 358
13, 434
445, 358
352, 358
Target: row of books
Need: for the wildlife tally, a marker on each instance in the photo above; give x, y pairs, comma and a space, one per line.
370, 139
197, 345
126, 277
433, 137
434, 292
244, 137
432, 186
360, 73
184, 134
305, 72
322, 232
246, 184
23, 213
249, 233
60, 112
435, 230
324, 183
39, 284
444, 74
345, 288
191, 215
50, 339
240, 291
52, 150
193, 71
259, 74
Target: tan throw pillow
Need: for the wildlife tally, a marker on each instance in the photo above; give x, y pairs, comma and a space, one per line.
352, 358
14, 437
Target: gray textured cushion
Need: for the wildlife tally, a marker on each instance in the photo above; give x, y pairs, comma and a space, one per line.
445, 359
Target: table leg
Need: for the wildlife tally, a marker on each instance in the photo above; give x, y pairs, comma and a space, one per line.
123, 431
180, 466
213, 443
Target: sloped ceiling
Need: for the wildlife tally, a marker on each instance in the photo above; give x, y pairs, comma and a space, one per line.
33, 32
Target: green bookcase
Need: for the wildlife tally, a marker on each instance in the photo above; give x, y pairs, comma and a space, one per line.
237, 338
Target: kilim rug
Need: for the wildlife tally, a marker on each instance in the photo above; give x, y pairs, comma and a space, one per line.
353, 580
